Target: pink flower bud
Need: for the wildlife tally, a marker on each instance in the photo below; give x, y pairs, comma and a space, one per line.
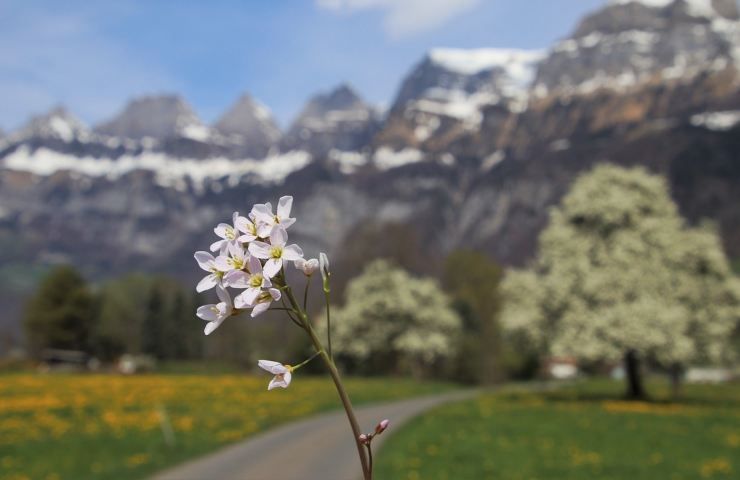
380, 428
364, 439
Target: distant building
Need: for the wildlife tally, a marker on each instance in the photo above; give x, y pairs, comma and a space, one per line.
561, 368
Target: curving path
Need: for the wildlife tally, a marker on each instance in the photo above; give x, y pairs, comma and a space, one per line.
320, 447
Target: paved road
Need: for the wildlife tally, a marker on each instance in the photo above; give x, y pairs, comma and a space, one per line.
320, 447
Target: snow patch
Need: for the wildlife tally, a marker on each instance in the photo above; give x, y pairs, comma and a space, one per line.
719, 121
386, 158
519, 64
197, 132
347, 161
169, 171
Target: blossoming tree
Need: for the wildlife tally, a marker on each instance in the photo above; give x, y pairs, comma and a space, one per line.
252, 256
392, 318
620, 275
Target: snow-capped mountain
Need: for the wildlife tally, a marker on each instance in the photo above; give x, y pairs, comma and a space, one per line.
633, 42
442, 98
338, 120
476, 147
57, 124
157, 117
249, 124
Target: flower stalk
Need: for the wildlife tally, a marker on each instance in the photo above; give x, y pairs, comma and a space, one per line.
253, 255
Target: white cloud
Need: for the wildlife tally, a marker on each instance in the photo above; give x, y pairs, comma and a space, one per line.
405, 17
65, 57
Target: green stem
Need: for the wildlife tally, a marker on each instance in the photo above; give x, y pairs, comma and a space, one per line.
296, 367
305, 294
346, 403
370, 458
328, 324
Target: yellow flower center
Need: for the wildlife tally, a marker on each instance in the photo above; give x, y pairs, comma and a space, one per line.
276, 252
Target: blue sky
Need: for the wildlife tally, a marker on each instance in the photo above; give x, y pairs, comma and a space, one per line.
94, 56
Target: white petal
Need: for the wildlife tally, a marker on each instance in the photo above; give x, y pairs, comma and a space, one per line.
221, 229
223, 295
275, 293
206, 283
246, 238
263, 213
272, 267
287, 377
211, 326
236, 250
242, 224
216, 245
264, 229
240, 301
205, 260
236, 279
284, 206
254, 265
292, 252
278, 236
273, 367
251, 294
208, 313
260, 308
260, 249
286, 222
234, 216
223, 263
299, 263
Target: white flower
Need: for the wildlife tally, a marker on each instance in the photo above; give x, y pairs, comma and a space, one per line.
216, 314
276, 251
283, 373
307, 266
264, 300
208, 263
235, 260
248, 227
228, 234
265, 219
254, 282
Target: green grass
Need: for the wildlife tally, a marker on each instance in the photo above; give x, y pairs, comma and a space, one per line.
78, 427
580, 432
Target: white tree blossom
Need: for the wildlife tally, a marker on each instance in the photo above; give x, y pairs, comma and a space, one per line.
619, 270
390, 313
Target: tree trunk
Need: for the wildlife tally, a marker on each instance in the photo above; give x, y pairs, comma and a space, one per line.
635, 389
676, 372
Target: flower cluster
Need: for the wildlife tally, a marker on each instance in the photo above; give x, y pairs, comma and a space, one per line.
251, 256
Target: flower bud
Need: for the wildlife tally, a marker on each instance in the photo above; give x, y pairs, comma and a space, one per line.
380, 428
308, 267
364, 439
325, 273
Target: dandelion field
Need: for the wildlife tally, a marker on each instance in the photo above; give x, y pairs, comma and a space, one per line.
583, 432
56, 427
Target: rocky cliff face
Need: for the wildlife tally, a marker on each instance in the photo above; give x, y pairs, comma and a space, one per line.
442, 99
338, 120
249, 124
